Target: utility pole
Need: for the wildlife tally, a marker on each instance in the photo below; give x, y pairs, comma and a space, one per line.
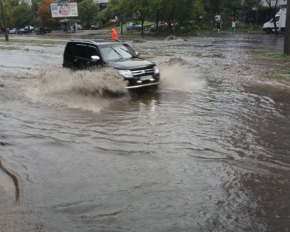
287, 31
121, 22
4, 20
33, 15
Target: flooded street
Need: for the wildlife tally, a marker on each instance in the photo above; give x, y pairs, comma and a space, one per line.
208, 151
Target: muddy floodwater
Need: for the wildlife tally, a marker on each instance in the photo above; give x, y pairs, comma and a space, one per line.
208, 151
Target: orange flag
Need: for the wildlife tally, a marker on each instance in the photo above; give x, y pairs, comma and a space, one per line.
114, 34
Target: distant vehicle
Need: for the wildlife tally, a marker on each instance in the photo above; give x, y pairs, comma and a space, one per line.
42, 30
24, 31
28, 27
280, 18
13, 31
93, 27
60, 27
133, 26
80, 27
88, 26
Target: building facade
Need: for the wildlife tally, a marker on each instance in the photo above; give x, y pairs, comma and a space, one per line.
103, 3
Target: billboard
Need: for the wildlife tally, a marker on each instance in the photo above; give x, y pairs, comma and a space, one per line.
69, 9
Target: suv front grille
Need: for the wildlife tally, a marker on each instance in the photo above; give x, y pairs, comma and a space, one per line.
143, 72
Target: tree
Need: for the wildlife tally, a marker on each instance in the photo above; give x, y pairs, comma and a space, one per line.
213, 7
287, 31
232, 7
89, 11
273, 13
113, 9
44, 13
22, 15
142, 7
250, 4
8, 6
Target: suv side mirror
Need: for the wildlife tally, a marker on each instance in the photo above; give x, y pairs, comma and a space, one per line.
137, 53
95, 58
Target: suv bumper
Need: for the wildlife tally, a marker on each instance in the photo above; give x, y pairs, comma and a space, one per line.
141, 86
136, 82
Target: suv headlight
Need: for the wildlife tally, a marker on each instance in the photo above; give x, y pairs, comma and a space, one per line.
156, 70
126, 73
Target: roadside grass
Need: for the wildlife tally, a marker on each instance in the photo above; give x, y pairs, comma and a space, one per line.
245, 68
248, 28
13, 48
23, 41
117, 26
276, 55
240, 27
278, 73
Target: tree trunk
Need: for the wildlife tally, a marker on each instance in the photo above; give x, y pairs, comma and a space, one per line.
157, 19
4, 20
287, 31
171, 19
121, 22
275, 24
142, 23
273, 14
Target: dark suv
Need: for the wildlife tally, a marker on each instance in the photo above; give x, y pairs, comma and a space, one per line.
88, 54
42, 30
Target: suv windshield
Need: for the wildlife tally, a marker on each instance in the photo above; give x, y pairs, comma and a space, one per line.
117, 52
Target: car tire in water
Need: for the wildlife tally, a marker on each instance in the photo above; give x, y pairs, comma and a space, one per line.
269, 30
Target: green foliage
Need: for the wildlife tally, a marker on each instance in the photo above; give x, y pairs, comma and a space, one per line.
170, 11
22, 15
44, 13
89, 12
277, 55
278, 73
35, 42
9, 6
189, 15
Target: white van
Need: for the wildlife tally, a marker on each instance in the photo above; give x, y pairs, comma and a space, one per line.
280, 22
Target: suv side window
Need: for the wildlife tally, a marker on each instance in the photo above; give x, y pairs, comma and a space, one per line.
70, 48
85, 51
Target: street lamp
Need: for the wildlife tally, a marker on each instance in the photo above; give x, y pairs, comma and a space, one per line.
4, 20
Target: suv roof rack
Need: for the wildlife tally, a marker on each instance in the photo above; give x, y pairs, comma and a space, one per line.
94, 40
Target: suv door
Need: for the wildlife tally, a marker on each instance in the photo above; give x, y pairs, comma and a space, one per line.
69, 56
83, 56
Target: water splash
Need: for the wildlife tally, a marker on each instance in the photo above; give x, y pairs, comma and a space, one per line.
87, 90
176, 75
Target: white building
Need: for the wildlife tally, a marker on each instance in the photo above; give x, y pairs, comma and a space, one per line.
102, 3
273, 2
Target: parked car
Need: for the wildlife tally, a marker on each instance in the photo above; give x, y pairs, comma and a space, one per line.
24, 31
88, 26
133, 26
60, 28
13, 31
80, 27
90, 54
42, 30
28, 27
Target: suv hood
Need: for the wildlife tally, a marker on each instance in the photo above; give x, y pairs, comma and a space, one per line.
136, 63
